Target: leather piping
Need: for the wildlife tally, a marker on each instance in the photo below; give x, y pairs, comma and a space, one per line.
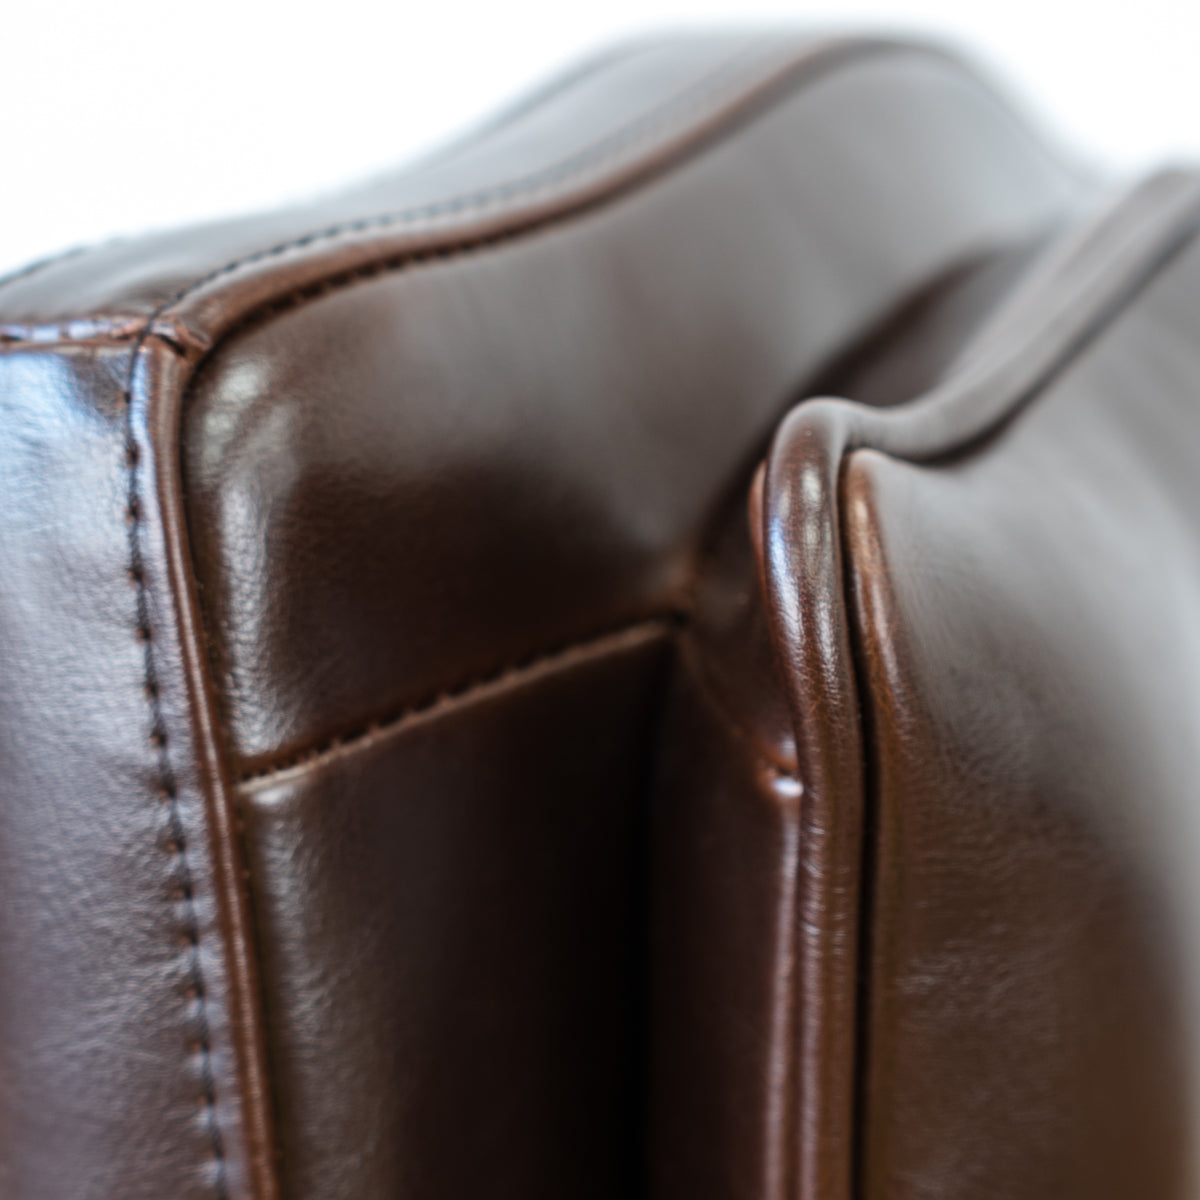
166, 789
499, 212
663, 118
1065, 303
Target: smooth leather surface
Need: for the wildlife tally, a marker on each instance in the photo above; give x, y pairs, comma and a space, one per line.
406, 790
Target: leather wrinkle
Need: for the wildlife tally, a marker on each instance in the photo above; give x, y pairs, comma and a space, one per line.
167, 789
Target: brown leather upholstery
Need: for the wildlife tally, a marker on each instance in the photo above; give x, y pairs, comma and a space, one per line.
411, 782
984, 604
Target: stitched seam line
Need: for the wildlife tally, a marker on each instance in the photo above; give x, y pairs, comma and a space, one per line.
467, 140
462, 692
591, 156
515, 672
677, 108
675, 111
167, 793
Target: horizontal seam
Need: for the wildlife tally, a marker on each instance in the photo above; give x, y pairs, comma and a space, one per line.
678, 109
519, 671
576, 163
448, 699
681, 105
163, 325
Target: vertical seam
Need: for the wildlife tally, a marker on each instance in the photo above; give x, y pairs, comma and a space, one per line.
167, 793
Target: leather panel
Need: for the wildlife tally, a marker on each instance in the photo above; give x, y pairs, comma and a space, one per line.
1028, 623
452, 924
983, 912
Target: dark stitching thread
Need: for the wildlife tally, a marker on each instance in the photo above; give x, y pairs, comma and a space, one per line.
667, 621
480, 200
167, 791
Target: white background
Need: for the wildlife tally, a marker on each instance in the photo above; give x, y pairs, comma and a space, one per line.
122, 117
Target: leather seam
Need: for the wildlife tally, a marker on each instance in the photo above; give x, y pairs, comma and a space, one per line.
448, 699
680, 107
677, 110
671, 622
466, 140
591, 153
166, 793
